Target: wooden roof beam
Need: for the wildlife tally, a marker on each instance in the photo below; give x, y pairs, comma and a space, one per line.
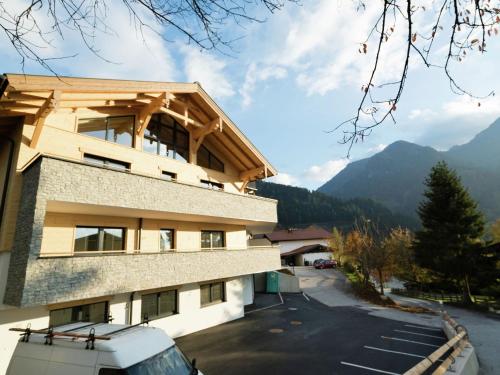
254, 173
149, 109
200, 134
185, 120
51, 104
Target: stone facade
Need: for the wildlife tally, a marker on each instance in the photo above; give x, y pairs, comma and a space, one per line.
33, 280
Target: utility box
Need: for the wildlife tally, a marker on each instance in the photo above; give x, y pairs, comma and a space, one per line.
272, 282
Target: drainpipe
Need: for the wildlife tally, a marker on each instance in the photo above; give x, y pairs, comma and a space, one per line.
131, 303
7, 177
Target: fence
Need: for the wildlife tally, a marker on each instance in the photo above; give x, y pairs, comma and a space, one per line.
447, 297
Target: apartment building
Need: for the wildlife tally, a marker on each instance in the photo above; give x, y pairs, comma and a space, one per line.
123, 201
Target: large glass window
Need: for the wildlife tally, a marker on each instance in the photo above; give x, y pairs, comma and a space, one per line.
212, 239
206, 159
166, 239
166, 137
106, 162
113, 129
94, 312
99, 239
212, 293
156, 305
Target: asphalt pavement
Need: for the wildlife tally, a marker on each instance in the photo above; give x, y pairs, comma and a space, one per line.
304, 336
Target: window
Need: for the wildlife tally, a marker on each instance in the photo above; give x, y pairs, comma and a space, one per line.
99, 239
112, 129
212, 239
156, 305
212, 185
166, 137
212, 293
94, 312
169, 176
206, 159
105, 162
166, 239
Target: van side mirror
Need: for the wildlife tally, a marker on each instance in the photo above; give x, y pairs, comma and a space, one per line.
193, 365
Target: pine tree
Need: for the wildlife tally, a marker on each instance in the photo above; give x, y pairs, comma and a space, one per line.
449, 242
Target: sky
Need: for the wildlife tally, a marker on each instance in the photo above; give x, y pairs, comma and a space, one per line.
289, 81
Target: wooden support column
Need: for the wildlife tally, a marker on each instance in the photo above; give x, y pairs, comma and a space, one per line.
198, 135
149, 109
50, 104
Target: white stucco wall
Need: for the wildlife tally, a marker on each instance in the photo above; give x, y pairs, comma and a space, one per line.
286, 246
311, 257
38, 317
191, 317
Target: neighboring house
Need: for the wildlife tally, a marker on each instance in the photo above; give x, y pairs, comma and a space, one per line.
123, 200
298, 246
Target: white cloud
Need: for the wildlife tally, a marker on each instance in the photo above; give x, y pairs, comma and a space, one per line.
324, 172
208, 70
284, 179
256, 74
133, 54
465, 106
424, 114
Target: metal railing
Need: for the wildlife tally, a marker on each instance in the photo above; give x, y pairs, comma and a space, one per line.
457, 343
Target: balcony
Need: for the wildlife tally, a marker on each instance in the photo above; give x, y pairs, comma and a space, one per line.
59, 279
74, 187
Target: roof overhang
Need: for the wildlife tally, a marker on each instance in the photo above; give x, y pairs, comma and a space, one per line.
37, 96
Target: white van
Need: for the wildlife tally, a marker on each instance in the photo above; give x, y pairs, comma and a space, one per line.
99, 349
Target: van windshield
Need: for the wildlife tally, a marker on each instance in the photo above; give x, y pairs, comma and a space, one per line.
169, 362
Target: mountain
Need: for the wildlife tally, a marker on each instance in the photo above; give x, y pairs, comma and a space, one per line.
395, 177
299, 207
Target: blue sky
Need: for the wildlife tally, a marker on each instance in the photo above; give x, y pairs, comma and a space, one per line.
292, 78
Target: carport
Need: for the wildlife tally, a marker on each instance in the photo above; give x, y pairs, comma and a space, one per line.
306, 255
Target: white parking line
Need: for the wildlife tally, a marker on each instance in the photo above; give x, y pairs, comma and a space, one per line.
413, 342
369, 368
396, 352
419, 334
306, 297
427, 328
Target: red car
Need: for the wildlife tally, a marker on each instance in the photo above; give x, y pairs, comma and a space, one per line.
325, 264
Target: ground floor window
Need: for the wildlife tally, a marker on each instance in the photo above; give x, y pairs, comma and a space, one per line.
212, 293
93, 312
159, 305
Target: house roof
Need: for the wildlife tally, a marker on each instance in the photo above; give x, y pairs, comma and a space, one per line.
36, 96
306, 249
311, 233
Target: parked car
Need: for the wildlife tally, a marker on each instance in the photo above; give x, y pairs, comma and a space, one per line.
318, 261
101, 348
326, 264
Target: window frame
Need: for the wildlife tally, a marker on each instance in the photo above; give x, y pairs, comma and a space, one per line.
105, 162
173, 240
157, 294
106, 131
176, 128
100, 233
105, 317
211, 156
211, 239
212, 302
212, 185
172, 176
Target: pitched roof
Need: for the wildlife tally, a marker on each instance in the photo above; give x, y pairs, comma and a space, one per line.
306, 249
311, 233
36, 96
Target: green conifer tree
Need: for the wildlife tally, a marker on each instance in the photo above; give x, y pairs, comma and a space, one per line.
449, 242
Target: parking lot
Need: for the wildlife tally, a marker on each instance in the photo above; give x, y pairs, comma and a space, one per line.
303, 336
